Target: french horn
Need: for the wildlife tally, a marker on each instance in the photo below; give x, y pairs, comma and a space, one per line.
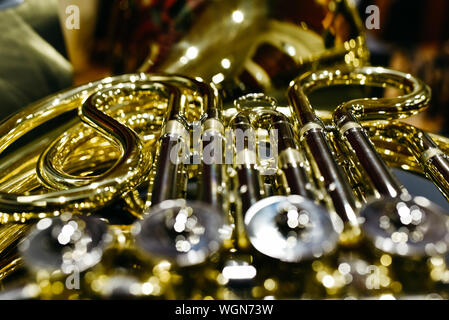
215, 176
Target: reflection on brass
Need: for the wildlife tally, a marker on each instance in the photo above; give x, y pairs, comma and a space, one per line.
260, 45
113, 196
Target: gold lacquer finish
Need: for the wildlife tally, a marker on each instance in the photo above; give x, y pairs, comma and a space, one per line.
224, 181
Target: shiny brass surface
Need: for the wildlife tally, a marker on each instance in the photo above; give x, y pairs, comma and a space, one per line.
97, 180
74, 156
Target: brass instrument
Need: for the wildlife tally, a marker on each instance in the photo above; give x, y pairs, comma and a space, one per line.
178, 184
384, 219
259, 216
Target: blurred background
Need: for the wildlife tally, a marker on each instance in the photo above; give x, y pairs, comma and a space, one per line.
252, 45
414, 37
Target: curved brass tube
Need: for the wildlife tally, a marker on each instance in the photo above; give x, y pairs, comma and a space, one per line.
427, 150
86, 197
10, 235
50, 169
126, 175
81, 198
415, 99
347, 116
417, 93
